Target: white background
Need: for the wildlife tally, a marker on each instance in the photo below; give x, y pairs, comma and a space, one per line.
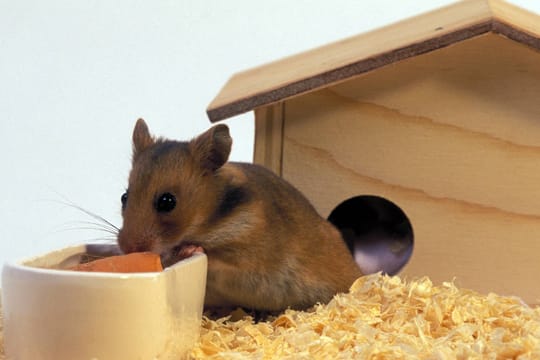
75, 75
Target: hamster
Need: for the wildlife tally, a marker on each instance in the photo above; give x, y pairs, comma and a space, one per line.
267, 247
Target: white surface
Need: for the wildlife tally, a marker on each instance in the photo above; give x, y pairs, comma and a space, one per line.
53, 314
75, 75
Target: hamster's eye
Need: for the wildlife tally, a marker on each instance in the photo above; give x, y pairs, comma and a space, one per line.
166, 202
124, 199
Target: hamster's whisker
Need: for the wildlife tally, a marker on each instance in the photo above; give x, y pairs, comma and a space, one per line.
90, 225
97, 217
101, 239
96, 228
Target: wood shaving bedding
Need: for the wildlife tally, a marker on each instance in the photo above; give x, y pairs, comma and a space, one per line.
382, 317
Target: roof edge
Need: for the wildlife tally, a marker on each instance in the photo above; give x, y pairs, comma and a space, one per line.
517, 35
348, 71
440, 28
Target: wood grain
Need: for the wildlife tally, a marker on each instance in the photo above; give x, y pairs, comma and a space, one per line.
269, 137
350, 57
453, 138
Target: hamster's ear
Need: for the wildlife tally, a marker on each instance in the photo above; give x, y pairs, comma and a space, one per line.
141, 137
212, 148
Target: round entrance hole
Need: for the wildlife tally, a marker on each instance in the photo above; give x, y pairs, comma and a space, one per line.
377, 232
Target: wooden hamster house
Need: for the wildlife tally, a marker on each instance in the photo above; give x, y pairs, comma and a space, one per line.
439, 114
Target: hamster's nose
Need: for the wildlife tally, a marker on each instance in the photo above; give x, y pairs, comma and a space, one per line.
129, 243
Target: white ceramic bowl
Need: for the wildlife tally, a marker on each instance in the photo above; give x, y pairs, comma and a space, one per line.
57, 314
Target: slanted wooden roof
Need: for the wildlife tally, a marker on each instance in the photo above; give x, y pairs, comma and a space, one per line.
342, 60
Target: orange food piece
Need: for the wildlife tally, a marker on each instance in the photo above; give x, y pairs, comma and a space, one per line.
130, 263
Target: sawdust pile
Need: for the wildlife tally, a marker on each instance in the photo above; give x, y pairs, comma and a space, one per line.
382, 317
385, 317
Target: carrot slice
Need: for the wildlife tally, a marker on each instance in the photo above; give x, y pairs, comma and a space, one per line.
130, 263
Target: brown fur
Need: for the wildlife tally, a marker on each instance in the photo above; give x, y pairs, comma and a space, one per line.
267, 247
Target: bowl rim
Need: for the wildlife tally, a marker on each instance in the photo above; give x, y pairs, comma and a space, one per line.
20, 265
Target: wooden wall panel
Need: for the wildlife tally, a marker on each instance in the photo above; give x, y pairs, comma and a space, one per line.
453, 138
269, 137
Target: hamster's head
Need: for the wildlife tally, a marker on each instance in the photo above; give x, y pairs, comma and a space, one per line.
171, 188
